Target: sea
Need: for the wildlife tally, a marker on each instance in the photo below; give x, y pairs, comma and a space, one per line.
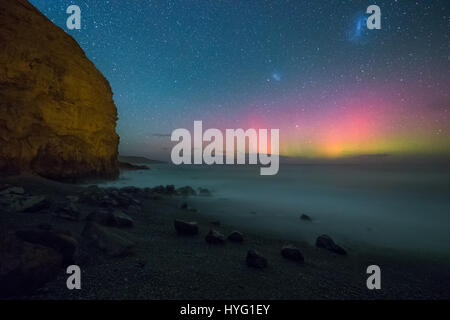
384, 206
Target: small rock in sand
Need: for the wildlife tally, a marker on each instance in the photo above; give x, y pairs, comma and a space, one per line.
325, 242
292, 253
186, 228
255, 259
305, 217
236, 236
215, 237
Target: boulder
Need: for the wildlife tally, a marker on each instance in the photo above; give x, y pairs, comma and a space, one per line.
170, 189
204, 192
64, 244
134, 209
107, 202
305, 217
111, 218
32, 204
255, 259
236, 236
91, 197
122, 219
186, 228
327, 243
123, 200
104, 217
25, 267
186, 191
68, 211
112, 242
124, 197
215, 237
57, 113
292, 253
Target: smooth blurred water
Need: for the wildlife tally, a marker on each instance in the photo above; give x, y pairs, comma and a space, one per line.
390, 206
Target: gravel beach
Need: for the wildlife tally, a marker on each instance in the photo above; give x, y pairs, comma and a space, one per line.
163, 264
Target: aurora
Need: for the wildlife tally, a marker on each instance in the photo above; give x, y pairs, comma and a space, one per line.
314, 70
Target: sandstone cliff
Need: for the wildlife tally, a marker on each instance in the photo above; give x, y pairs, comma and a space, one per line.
57, 115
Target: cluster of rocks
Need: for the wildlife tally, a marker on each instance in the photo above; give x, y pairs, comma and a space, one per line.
254, 258
189, 191
31, 257
186, 228
290, 252
17, 200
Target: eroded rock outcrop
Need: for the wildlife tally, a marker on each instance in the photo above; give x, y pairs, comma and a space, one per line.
57, 115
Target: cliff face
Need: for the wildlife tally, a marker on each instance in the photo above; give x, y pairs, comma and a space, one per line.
57, 115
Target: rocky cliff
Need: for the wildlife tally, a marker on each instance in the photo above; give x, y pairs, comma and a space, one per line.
57, 115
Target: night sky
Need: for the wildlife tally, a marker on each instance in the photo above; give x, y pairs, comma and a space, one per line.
310, 68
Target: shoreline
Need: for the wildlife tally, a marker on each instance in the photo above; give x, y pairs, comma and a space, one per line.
164, 265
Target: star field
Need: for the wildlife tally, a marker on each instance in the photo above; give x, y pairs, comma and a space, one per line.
310, 68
